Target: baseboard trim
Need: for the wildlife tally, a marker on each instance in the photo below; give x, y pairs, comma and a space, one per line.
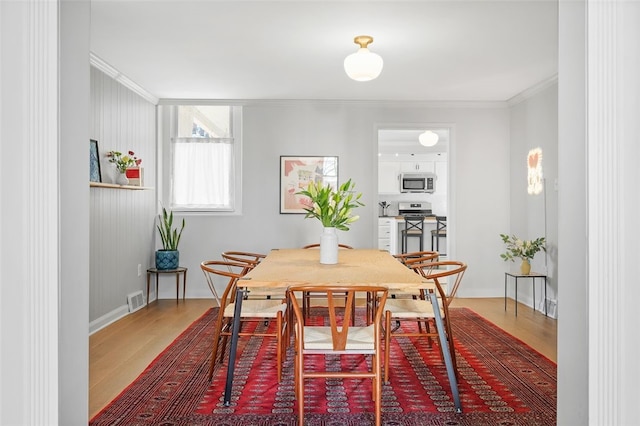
108, 318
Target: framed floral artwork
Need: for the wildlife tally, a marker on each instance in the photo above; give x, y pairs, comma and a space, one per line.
295, 174
94, 162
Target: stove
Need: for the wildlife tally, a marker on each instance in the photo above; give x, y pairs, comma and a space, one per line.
415, 209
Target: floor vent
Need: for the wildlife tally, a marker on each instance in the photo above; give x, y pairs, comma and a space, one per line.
135, 301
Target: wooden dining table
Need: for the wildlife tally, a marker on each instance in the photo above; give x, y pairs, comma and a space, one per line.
282, 268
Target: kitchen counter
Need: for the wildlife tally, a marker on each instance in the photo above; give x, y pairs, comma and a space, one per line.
391, 238
401, 218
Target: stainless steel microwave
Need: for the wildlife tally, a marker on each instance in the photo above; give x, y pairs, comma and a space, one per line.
418, 182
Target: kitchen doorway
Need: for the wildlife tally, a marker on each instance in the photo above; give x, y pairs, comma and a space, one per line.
420, 150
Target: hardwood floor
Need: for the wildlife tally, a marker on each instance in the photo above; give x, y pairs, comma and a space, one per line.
121, 351
533, 328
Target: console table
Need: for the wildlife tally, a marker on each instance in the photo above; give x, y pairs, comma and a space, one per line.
533, 276
177, 272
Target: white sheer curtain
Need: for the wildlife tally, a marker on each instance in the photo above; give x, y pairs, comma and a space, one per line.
202, 173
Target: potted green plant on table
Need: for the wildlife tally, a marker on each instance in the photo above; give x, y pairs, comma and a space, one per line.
169, 256
334, 209
524, 249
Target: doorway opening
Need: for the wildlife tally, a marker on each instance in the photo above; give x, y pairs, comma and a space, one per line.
400, 151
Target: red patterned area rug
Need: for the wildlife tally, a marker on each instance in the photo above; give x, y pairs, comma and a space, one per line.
502, 382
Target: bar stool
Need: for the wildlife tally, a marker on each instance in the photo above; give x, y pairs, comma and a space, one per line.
439, 232
413, 227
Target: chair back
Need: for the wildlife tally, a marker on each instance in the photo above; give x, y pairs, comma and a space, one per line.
250, 259
441, 225
427, 255
413, 224
221, 268
419, 258
452, 271
312, 246
340, 321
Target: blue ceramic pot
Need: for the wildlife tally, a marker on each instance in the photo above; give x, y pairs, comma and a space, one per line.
167, 259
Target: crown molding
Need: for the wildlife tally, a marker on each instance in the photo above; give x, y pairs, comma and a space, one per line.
533, 90
106, 68
361, 103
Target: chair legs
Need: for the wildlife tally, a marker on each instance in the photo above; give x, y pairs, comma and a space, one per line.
299, 387
387, 344
436, 237
223, 331
217, 334
405, 242
428, 334
376, 389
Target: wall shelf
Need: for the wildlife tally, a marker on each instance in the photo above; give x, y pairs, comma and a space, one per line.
116, 186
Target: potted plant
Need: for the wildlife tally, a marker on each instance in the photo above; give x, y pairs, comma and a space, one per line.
334, 209
169, 256
524, 249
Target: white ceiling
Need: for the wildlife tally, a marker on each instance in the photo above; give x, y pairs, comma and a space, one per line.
404, 143
294, 49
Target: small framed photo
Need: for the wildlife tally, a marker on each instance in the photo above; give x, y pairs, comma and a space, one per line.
295, 174
94, 162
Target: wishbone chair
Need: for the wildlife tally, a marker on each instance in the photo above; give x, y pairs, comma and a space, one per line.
421, 311
253, 310
337, 339
252, 260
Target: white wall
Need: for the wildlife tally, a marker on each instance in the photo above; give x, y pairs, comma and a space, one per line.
625, 167
478, 189
598, 228
44, 261
573, 340
73, 339
121, 221
534, 123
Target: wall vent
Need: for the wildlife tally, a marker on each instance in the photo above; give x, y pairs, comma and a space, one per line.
135, 301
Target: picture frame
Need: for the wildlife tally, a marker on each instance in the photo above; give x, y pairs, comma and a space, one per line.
295, 174
95, 175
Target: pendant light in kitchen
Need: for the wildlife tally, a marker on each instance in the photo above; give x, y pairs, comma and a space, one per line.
428, 138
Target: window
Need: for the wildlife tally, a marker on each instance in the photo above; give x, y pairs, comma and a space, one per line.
204, 158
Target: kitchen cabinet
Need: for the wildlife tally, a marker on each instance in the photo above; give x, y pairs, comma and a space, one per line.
416, 167
388, 172
387, 234
441, 170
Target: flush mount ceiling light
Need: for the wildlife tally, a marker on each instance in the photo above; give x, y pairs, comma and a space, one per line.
428, 138
363, 65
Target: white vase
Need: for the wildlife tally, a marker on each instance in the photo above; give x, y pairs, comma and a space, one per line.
121, 179
329, 247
